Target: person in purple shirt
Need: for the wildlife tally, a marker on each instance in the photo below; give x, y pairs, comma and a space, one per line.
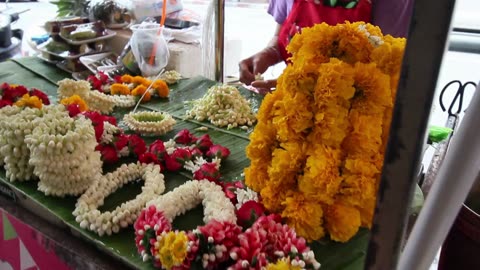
392, 16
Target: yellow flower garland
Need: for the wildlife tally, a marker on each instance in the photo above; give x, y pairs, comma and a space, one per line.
317, 151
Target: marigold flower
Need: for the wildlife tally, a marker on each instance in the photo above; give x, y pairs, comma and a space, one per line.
342, 222
139, 91
119, 89
283, 264
126, 78
172, 249
138, 80
75, 99
29, 101
162, 88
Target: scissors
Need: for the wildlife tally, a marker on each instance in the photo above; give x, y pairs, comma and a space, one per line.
458, 96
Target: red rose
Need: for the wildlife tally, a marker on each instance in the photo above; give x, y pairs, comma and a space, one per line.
121, 141
95, 117
204, 142
137, 145
4, 103
4, 86
98, 131
41, 95
109, 154
74, 110
229, 190
218, 151
249, 212
184, 137
14, 93
158, 149
117, 79
177, 159
196, 153
148, 158
95, 82
207, 171
103, 77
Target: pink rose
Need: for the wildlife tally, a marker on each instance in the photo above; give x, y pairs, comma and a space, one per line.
218, 151
207, 171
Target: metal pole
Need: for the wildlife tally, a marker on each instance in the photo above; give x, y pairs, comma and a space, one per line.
455, 179
219, 39
423, 56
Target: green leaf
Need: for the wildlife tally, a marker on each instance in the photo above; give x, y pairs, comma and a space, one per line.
333, 3
351, 4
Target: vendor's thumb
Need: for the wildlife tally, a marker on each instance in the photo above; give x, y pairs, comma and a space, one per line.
267, 84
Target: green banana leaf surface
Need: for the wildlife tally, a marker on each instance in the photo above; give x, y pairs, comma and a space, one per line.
32, 72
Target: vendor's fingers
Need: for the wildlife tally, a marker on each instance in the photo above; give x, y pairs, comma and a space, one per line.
266, 84
246, 72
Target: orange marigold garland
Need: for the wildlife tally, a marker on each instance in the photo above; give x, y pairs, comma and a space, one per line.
317, 151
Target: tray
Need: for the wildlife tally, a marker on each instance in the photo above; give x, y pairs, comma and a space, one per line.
68, 54
94, 61
109, 34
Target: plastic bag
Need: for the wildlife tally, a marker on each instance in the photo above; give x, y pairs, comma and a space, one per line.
149, 47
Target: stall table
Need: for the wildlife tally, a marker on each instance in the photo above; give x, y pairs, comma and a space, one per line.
120, 248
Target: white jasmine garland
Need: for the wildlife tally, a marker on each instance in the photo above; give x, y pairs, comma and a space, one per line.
98, 101
124, 101
374, 40
245, 195
170, 146
69, 87
149, 122
185, 197
86, 209
62, 152
109, 131
223, 106
15, 124
171, 76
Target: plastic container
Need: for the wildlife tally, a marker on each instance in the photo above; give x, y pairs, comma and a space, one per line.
153, 8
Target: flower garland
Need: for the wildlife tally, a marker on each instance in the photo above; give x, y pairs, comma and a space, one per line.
62, 151
317, 151
198, 155
86, 209
95, 100
220, 242
223, 106
19, 95
15, 124
136, 86
149, 122
171, 76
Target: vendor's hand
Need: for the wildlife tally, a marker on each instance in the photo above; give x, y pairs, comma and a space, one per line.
258, 64
264, 87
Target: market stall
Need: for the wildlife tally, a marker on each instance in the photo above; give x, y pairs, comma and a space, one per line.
313, 154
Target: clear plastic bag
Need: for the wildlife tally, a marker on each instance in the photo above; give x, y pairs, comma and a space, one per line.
149, 47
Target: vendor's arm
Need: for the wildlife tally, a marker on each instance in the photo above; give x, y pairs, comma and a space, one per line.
261, 61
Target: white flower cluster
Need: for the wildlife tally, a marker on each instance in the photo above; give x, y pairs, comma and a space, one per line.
62, 151
15, 124
245, 195
100, 102
185, 197
109, 132
149, 122
124, 101
223, 105
69, 87
374, 40
86, 209
171, 76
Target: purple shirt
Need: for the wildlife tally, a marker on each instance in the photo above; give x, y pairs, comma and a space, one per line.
392, 16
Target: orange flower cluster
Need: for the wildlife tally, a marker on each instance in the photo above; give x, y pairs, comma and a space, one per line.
77, 100
137, 86
317, 151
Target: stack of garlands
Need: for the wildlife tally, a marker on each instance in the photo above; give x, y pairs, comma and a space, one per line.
62, 151
317, 150
19, 107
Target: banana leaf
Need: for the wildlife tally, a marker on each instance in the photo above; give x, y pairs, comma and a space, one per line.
341, 256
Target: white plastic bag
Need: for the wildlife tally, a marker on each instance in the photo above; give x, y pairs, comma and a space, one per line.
149, 47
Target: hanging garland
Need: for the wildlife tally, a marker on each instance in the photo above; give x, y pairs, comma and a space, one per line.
317, 151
